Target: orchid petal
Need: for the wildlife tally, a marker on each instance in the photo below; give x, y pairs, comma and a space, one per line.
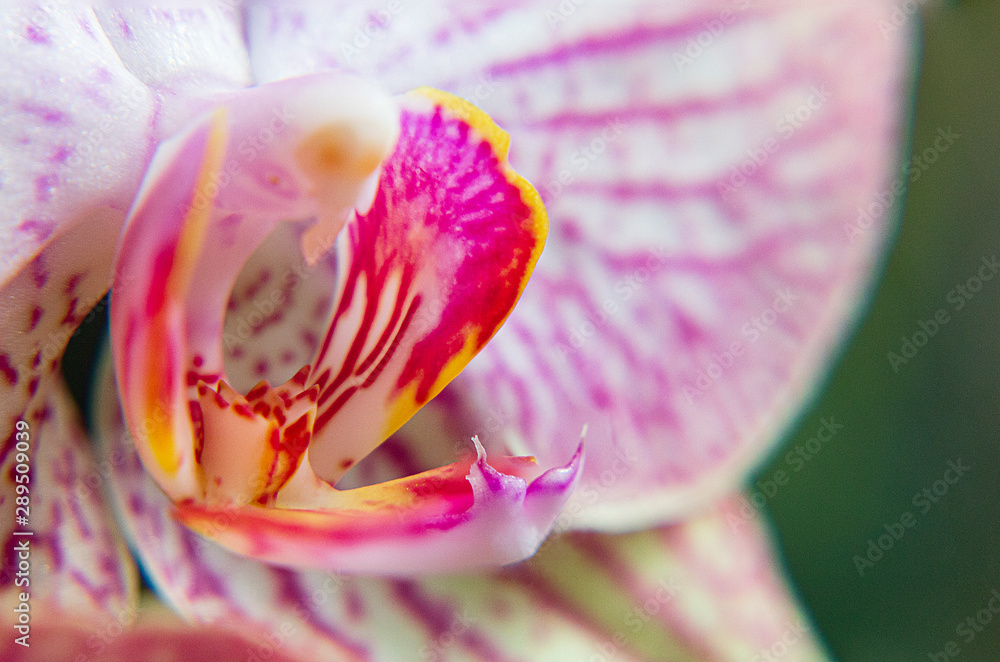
183, 50
187, 55
704, 590
712, 581
441, 282
72, 144
440, 242
204, 207
710, 243
464, 515
68, 178
76, 560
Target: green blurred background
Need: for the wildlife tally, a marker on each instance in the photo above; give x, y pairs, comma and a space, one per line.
901, 429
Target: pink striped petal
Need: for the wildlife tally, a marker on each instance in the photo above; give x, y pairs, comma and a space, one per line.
443, 240
465, 515
706, 590
714, 582
704, 166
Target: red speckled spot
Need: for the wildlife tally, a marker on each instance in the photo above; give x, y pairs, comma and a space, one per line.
7, 370
36, 315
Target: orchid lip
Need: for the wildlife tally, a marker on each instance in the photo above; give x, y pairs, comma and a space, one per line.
415, 238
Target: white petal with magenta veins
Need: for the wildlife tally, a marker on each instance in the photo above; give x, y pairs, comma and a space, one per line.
706, 256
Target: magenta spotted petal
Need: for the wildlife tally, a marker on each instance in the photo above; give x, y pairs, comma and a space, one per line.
62, 546
78, 131
70, 110
703, 167
74, 139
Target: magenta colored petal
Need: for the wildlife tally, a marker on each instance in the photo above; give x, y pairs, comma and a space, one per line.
468, 515
704, 171
445, 520
706, 590
428, 276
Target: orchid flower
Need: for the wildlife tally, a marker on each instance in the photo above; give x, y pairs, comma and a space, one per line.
323, 423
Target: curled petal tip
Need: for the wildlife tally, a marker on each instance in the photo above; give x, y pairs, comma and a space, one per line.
549, 492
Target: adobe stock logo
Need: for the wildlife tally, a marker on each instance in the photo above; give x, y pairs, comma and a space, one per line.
625, 288
913, 169
581, 159
969, 627
959, 297
766, 487
753, 330
784, 128
374, 28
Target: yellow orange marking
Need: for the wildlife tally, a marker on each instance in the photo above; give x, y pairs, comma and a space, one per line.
156, 419
337, 150
405, 405
161, 435
195, 225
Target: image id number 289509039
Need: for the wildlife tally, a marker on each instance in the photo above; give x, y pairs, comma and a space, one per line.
21, 534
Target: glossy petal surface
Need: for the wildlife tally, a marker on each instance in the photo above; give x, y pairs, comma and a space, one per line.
186, 54
704, 166
74, 140
186, 51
